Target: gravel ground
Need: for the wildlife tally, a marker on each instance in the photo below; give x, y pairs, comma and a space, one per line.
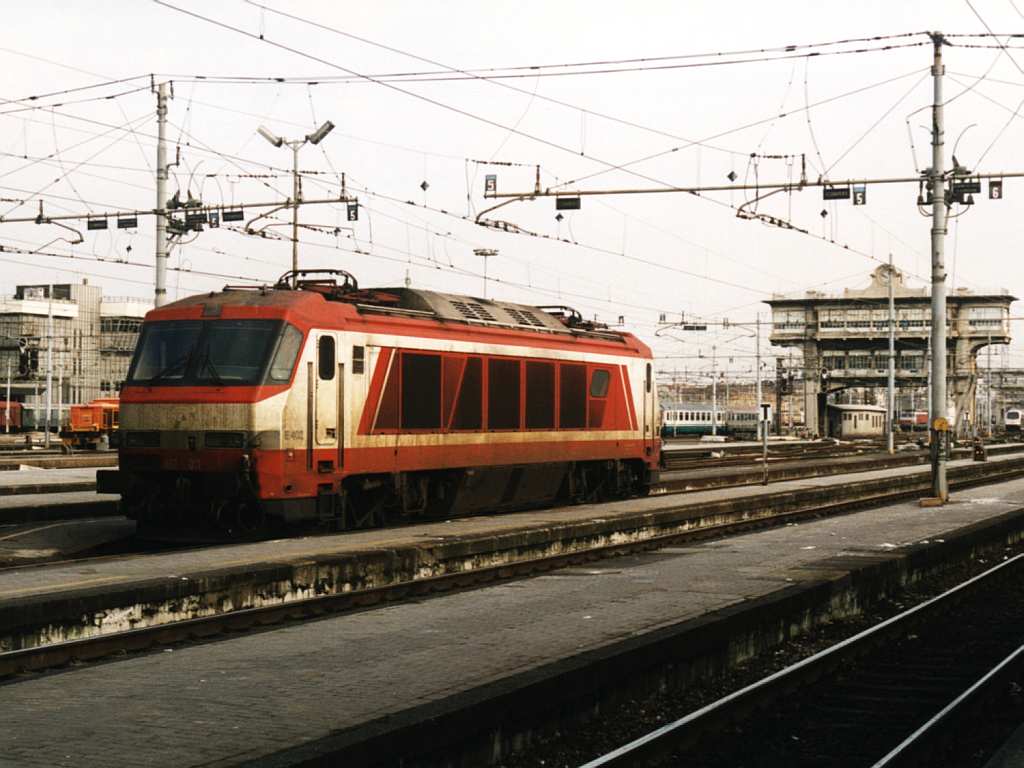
628, 720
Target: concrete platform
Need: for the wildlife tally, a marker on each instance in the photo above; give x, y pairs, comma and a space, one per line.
57, 505
57, 461
70, 601
40, 542
36, 480
296, 694
696, 446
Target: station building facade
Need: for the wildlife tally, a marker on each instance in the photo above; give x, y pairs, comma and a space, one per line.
844, 340
93, 340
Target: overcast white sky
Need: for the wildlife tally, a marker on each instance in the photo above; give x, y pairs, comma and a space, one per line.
638, 255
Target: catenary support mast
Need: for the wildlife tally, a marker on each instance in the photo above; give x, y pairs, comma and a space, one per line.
160, 296
940, 487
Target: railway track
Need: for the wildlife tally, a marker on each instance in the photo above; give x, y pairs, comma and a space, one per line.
935, 685
56, 654
722, 455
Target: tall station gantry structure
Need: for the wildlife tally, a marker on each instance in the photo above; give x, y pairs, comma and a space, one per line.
844, 340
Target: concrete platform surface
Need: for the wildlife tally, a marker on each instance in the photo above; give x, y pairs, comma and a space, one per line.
177, 565
34, 542
225, 702
35, 480
16, 508
684, 446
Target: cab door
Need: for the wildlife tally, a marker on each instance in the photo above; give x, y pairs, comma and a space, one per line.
326, 392
650, 435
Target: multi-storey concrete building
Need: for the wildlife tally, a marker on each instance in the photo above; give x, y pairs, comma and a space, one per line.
93, 340
844, 339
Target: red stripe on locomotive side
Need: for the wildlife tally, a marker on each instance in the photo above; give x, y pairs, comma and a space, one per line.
133, 393
629, 398
373, 394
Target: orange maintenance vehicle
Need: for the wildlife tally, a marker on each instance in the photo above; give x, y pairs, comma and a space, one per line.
92, 424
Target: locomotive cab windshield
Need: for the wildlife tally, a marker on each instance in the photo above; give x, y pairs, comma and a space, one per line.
215, 353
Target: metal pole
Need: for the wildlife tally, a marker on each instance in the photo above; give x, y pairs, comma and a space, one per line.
988, 391
160, 282
891, 399
928, 383
49, 367
804, 378
60, 397
295, 211
790, 380
714, 395
940, 486
7, 402
764, 444
762, 427
485, 254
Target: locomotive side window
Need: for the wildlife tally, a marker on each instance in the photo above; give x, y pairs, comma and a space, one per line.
469, 406
358, 358
325, 358
598, 393
421, 391
502, 394
540, 395
287, 351
572, 399
387, 415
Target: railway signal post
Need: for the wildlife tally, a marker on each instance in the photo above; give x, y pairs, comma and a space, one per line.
764, 418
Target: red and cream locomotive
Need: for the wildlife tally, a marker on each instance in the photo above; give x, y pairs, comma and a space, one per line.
314, 401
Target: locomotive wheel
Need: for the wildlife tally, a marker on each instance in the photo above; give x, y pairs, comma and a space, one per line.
366, 510
250, 518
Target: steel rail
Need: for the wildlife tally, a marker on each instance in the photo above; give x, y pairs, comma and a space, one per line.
921, 740
688, 729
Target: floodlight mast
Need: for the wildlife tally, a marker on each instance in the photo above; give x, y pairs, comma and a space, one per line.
295, 145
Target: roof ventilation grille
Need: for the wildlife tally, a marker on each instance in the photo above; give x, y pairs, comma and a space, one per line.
524, 318
473, 311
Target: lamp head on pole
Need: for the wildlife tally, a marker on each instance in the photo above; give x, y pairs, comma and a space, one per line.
320, 133
263, 131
